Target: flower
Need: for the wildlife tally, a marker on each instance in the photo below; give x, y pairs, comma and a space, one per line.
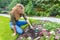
48, 33
41, 33
47, 36
56, 37
52, 32
59, 31
29, 38
44, 30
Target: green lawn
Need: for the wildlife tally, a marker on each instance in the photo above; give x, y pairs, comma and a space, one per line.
6, 32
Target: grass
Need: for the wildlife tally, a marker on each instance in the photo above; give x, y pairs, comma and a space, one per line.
6, 32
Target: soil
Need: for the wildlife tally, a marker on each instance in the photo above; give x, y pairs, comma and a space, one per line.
31, 32
34, 33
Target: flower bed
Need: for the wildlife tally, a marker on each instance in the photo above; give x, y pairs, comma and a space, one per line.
40, 33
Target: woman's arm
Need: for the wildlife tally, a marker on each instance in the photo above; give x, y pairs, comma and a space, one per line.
25, 17
29, 24
14, 29
13, 23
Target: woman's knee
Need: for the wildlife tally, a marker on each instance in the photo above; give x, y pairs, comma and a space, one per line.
11, 26
19, 30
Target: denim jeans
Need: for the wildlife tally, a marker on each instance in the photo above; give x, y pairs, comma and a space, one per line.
18, 26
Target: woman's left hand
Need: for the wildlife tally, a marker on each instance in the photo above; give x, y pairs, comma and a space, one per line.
31, 27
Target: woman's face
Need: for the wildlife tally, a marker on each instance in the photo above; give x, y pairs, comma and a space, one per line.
21, 10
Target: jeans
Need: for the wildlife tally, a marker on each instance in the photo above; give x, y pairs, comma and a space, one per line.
18, 26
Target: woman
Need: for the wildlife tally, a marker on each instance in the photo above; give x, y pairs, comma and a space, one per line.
15, 24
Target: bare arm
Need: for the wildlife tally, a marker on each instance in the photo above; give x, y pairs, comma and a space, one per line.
25, 17
14, 28
13, 23
29, 23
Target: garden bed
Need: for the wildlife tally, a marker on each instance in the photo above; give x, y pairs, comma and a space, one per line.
40, 32
6, 32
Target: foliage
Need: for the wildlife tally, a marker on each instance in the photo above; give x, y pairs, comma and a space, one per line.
35, 7
28, 7
44, 8
54, 10
6, 32
0, 10
4, 3
13, 3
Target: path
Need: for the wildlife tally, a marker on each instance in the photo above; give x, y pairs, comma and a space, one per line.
52, 19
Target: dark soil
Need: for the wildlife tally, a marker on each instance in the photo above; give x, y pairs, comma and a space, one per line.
31, 32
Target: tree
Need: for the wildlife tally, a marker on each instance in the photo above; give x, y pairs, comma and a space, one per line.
13, 3
28, 7
4, 3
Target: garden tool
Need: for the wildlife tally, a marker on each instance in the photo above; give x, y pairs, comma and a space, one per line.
36, 32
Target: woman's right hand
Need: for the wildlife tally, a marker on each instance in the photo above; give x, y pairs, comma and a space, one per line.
13, 34
14, 29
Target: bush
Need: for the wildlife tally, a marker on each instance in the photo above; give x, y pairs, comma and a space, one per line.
12, 4
0, 10
4, 12
57, 16
54, 10
39, 7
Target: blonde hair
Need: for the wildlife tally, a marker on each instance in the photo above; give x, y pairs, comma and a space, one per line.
17, 10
